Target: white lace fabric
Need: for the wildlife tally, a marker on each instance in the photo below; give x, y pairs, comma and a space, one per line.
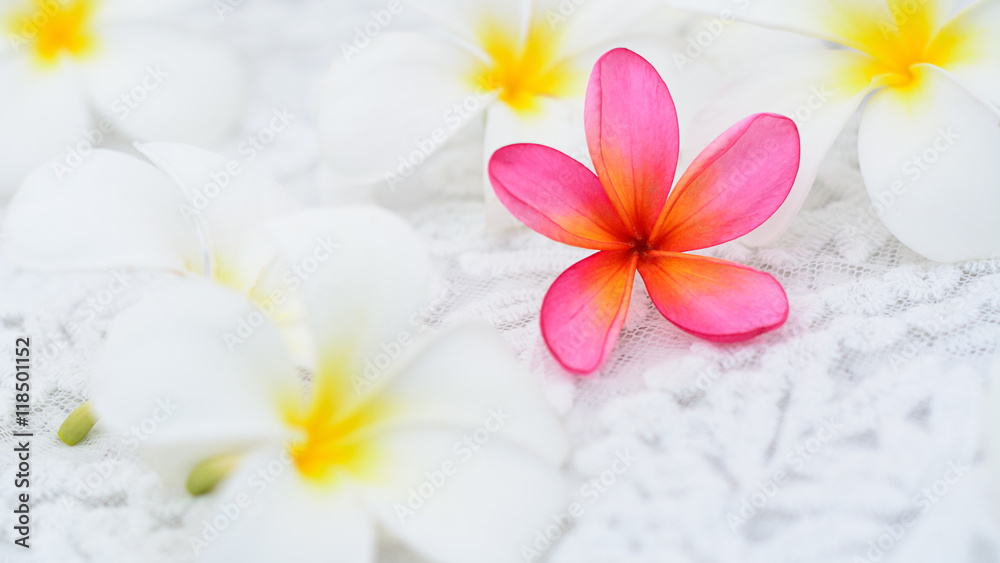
813, 443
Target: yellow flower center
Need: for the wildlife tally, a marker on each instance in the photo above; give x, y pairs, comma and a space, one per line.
336, 436
335, 443
54, 29
907, 37
524, 71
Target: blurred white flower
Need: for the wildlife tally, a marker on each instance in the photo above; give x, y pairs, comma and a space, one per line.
448, 446
187, 211
77, 71
524, 64
925, 74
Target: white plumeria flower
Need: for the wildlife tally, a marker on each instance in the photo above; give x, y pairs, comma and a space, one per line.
522, 63
448, 446
185, 211
929, 141
76, 71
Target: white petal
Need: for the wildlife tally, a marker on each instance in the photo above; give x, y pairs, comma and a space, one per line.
933, 12
42, 111
971, 47
283, 518
849, 22
386, 110
481, 504
467, 377
819, 90
163, 86
929, 160
554, 123
171, 369
362, 275
449, 493
468, 20
113, 211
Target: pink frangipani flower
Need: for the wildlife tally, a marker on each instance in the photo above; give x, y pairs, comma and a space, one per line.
628, 212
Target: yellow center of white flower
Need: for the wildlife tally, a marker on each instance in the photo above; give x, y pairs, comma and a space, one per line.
335, 442
337, 436
54, 29
909, 37
524, 70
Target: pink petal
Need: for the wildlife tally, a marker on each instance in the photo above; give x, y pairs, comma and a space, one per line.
713, 299
585, 308
633, 136
556, 196
733, 186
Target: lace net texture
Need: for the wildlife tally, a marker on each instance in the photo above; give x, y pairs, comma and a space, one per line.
810, 444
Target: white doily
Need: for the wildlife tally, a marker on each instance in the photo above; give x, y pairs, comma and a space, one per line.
851, 432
